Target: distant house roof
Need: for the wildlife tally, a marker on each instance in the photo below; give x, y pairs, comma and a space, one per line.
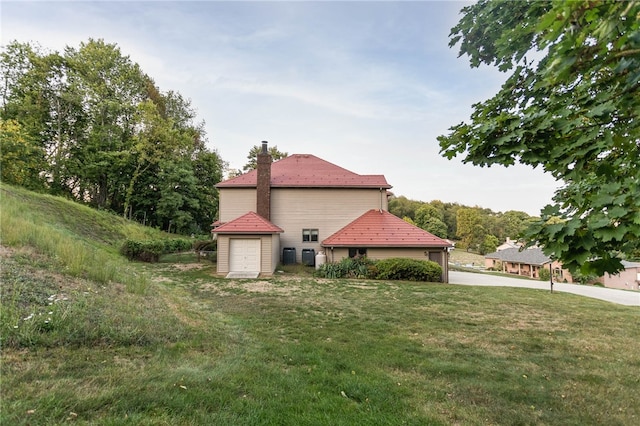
249, 223
306, 171
509, 243
379, 228
530, 256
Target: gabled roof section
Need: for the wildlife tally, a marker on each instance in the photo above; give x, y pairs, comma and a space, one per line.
379, 228
308, 171
248, 223
530, 256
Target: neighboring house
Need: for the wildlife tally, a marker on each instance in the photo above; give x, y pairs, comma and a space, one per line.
526, 262
301, 205
628, 279
509, 243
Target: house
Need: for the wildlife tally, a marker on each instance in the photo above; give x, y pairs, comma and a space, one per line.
526, 262
293, 209
628, 279
509, 243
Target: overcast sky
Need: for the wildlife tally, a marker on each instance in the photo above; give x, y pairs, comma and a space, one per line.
365, 85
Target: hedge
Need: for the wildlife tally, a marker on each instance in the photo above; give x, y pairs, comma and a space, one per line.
399, 268
386, 269
151, 250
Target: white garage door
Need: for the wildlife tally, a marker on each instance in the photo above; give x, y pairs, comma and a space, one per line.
244, 255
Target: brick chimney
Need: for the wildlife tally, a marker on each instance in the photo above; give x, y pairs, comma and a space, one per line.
263, 206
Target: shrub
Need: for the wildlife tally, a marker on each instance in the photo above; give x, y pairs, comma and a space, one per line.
145, 251
544, 274
408, 269
388, 269
348, 267
176, 245
151, 250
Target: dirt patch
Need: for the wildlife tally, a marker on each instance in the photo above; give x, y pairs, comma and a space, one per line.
187, 266
265, 287
261, 287
5, 251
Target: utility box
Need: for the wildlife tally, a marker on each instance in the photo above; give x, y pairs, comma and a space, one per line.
308, 257
289, 256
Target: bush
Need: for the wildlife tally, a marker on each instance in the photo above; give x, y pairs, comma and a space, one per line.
388, 269
408, 269
151, 250
544, 274
176, 245
349, 267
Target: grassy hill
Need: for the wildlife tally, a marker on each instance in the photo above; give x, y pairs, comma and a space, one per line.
90, 338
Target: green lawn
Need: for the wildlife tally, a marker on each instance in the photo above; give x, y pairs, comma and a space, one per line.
464, 258
200, 350
89, 338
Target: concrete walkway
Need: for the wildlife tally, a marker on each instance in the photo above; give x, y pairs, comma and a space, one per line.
621, 297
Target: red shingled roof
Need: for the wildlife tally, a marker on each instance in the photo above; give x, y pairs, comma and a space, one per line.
378, 228
249, 223
305, 170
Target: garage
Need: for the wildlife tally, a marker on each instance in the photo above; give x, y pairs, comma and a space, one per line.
248, 246
244, 255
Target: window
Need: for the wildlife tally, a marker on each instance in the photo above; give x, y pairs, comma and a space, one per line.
309, 235
357, 252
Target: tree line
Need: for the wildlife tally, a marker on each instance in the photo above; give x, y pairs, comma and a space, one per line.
473, 228
90, 125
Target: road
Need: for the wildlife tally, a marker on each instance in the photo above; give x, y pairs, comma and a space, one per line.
621, 297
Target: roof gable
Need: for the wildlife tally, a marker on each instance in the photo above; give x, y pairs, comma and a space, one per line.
248, 223
305, 171
379, 228
530, 256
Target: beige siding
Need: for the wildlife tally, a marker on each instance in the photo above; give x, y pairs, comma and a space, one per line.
234, 202
336, 254
223, 255
275, 252
327, 210
265, 253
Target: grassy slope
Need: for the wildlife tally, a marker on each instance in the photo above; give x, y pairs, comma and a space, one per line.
193, 349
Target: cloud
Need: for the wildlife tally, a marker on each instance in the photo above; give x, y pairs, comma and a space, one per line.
368, 86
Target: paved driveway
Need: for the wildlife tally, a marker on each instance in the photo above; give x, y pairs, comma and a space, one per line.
622, 297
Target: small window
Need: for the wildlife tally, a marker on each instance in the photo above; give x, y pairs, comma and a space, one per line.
309, 235
357, 252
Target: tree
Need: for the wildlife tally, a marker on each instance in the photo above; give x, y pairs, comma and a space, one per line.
575, 112
112, 86
513, 223
470, 230
253, 156
430, 219
89, 124
21, 159
403, 207
489, 244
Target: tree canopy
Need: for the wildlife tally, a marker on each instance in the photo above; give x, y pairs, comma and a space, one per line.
474, 228
570, 105
252, 157
89, 124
